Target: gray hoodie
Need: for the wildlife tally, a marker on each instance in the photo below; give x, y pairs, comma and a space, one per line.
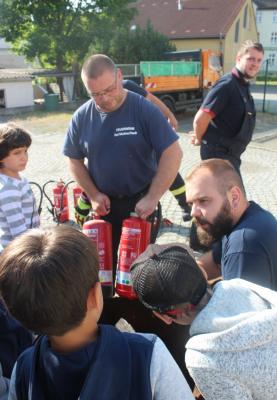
232, 354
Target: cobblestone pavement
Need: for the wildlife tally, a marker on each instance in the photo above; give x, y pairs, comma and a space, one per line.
259, 170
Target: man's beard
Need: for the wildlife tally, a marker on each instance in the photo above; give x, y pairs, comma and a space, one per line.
245, 75
215, 230
249, 77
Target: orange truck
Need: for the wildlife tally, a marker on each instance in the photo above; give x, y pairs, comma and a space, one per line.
183, 79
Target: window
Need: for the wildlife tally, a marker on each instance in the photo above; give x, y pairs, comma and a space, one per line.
2, 98
274, 17
273, 38
258, 17
237, 32
271, 58
245, 17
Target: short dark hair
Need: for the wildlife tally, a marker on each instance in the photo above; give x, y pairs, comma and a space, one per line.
250, 44
96, 65
45, 278
12, 137
224, 172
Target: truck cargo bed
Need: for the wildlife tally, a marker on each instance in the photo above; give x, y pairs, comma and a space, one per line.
171, 83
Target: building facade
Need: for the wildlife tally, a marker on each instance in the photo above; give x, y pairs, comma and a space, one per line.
266, 19
219, 25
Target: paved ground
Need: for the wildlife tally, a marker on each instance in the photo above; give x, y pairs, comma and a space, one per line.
259, 166
265, 101
270, 89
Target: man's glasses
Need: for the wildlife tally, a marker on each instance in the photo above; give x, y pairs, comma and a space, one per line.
107, 91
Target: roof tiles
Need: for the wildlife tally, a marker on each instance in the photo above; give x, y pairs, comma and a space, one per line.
195, 19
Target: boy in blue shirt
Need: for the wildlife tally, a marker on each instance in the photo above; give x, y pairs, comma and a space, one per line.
49, 281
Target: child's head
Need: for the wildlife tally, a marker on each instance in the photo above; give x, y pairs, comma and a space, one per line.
168, 280
12, 137
46, 277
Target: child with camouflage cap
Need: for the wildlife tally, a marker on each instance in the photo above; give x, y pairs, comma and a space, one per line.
232, 352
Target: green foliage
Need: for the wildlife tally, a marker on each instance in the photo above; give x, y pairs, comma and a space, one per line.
58, 33
125, 45
271, 77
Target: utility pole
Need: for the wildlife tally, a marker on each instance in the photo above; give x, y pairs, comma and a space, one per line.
265, 82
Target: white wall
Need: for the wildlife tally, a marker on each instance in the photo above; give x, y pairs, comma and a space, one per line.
266, 25
8, 59
18, 94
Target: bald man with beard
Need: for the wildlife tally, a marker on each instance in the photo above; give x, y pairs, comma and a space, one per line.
243, 235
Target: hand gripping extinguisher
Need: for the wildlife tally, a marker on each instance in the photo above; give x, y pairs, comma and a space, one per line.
100, 233
61, 201
135, 237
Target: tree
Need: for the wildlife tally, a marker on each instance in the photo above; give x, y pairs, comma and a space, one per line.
132, 45
58, 33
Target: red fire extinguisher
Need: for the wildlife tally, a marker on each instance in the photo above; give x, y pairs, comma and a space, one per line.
100, 233
135, 237
76, 194
61, 201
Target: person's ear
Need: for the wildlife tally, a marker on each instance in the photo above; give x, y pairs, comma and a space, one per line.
238, 58
164, 317
95, 297
119, 74
234, 196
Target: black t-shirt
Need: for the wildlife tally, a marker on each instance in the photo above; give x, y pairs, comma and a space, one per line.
134, 87
224, 102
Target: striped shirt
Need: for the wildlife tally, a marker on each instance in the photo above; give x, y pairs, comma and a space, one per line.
18, 210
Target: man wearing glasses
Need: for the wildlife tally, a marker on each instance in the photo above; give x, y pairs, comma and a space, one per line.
132, 152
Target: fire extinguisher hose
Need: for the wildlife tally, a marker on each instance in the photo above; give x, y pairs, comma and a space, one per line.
53, 209
40, 195
156, 220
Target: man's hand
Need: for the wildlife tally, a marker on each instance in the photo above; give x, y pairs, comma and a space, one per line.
101, 204
200, 125
146, 206
193, 139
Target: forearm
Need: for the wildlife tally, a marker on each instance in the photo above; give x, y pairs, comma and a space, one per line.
167, 170
81, 175
164, 109
200, 124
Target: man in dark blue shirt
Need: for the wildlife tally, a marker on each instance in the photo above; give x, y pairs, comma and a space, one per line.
177, 188
132, 152
224, 124
245, 234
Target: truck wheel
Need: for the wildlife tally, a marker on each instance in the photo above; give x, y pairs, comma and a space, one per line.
169, 104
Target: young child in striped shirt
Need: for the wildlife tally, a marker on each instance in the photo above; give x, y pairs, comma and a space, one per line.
18, 210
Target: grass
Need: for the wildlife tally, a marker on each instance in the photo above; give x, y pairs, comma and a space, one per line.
269, 83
